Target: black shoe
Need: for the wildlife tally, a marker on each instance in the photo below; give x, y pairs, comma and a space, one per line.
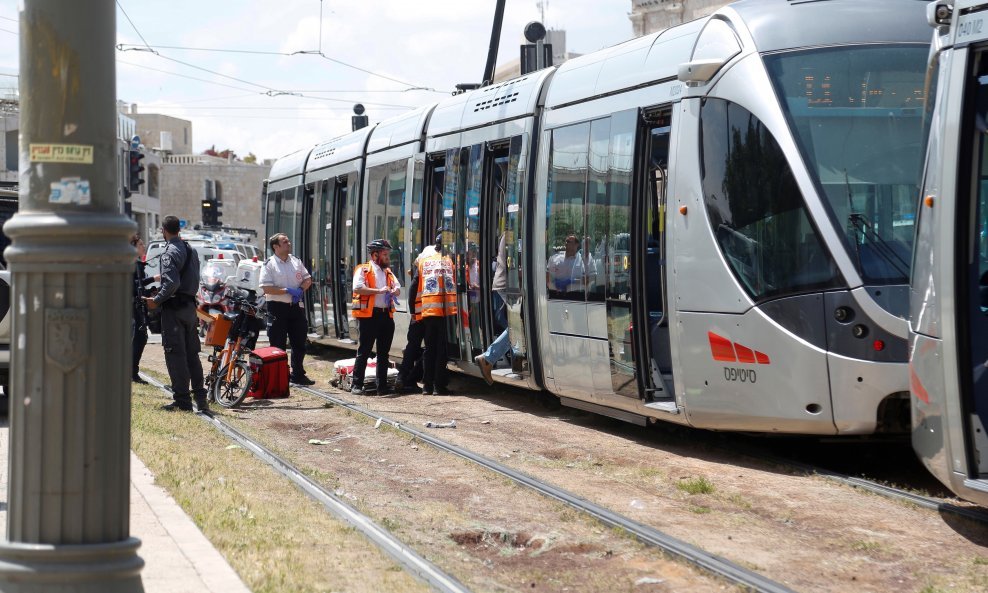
405, 388
427, 390
442, 391
357, 390
385, 391
177, 407
303, 380
137, 379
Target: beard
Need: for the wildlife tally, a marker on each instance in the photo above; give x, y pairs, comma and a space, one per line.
384, 265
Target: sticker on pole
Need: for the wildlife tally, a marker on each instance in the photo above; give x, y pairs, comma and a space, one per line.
70, 190
62, 153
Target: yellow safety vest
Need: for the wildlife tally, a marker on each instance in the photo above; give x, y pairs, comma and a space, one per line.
437, 290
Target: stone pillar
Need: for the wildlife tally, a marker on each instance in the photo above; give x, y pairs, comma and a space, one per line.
69, 480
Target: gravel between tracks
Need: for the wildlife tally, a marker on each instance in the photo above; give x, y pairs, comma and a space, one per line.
804, 531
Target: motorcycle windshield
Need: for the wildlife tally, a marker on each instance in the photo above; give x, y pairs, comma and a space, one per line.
214, 274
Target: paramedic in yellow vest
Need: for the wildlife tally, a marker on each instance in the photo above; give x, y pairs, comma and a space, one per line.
375, 293
436, 300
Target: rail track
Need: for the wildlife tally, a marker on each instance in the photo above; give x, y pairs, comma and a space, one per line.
710, 563
684, 551
424, 570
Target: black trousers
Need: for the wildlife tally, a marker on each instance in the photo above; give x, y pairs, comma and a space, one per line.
180, 338
138, 340
378, 329
410, 370
434, 359
289, 324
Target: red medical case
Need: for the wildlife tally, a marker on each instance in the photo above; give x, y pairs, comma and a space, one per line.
270, 370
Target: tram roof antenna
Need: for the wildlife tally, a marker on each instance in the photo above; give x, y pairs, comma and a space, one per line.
495, 42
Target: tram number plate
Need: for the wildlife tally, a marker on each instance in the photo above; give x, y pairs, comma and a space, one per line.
740, 375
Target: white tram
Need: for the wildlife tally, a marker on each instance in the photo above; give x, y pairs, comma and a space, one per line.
711, 225
949, 302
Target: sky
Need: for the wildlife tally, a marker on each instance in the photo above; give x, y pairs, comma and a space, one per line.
407, 53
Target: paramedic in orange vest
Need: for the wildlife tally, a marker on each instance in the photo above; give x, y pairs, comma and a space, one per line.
436, 300
375, 293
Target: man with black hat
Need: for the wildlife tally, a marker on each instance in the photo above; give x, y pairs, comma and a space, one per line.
435, 301
375, 294
179, 325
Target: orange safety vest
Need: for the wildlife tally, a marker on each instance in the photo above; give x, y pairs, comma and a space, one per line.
437, 289
363, 305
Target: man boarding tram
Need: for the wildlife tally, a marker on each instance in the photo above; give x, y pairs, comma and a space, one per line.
436, 300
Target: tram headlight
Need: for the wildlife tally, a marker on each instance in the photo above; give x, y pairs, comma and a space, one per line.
859, 331
843, 314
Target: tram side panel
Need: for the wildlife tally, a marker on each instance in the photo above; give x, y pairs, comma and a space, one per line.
736, 368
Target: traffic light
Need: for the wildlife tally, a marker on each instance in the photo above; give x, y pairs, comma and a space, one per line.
219, 213
136, 168
209, 213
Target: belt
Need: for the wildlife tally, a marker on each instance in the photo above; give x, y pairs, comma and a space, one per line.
385, 309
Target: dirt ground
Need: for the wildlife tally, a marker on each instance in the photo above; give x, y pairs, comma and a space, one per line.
804, 531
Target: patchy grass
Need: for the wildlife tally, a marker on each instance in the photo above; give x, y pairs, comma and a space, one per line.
695, 486
867, 546
274, 536
700, 510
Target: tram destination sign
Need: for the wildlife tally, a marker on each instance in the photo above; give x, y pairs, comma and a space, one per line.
971, 27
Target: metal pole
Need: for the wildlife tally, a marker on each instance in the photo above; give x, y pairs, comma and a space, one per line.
69, 462
495, 42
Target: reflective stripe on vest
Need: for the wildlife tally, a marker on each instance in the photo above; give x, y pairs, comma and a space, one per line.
363, 305
437, 289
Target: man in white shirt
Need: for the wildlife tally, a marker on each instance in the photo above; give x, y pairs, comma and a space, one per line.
284, 281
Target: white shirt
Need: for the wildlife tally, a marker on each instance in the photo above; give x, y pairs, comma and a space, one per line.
380, 280
283, 274
571, 273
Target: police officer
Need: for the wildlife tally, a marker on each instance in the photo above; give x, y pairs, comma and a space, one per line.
436, 300
375, 293
284, 280
139, 324
179, 326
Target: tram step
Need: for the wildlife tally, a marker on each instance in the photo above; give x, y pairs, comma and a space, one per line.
604, 411
664, 406
979, 485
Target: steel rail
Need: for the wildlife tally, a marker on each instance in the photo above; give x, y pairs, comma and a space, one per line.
710, 563
926, 502
421, 568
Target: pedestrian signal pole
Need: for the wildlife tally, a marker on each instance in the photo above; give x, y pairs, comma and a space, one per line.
71, 265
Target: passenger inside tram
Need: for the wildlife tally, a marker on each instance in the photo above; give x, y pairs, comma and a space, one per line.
571, 269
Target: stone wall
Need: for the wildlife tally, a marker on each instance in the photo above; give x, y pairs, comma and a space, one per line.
150, 126
650, 16
183, 187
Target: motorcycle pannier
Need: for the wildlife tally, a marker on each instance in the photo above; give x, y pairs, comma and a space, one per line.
270, 373
218, 330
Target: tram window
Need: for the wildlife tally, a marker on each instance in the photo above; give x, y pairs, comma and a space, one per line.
857, 115
567, 245
385, 209
755, 207
287, 223
602, 245
274, 204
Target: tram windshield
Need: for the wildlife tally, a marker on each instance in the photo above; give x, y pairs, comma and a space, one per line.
856, 113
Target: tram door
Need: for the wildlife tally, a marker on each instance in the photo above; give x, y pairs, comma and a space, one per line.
306, 250
473, 207
332, 281
649, 243
972, 290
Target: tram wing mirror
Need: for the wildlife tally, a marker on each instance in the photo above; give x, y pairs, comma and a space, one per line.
699, 72
938, 14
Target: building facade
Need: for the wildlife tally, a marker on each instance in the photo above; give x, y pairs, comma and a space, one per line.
186, 180
651, 16
142, 202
